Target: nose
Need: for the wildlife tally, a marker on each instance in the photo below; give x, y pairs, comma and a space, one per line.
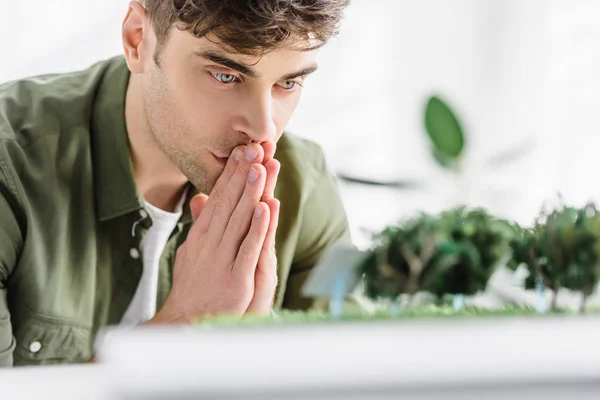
258, 118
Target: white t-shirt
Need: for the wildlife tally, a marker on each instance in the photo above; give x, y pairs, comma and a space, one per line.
143, 306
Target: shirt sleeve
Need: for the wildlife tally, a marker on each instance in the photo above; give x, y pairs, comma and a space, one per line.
11, 240
324, 223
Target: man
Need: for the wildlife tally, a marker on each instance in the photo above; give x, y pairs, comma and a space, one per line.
143, 190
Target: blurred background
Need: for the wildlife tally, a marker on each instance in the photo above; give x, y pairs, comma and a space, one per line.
520, 75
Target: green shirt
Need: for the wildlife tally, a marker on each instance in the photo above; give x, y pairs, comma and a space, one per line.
71, 213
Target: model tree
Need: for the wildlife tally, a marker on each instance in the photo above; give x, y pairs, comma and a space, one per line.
561, 250
453, 253
478, 243
401, 258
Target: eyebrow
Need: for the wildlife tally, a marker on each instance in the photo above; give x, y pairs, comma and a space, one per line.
229, 63
306, 71
245, 70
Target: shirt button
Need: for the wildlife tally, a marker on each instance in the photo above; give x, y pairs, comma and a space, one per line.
143, 214
134, 253
34, 347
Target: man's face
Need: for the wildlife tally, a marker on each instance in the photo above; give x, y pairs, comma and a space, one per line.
202, 101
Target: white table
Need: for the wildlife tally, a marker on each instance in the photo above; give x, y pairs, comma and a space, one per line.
552, 358
55, 382
549, 358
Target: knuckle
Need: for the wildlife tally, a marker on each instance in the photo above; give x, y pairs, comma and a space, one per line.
217, 192
223, 205
241, 171
235, 225
246, 252
221, 196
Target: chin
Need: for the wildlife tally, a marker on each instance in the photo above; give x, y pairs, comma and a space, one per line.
202, 175
206, 180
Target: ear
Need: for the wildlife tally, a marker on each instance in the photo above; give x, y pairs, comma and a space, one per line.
137, 37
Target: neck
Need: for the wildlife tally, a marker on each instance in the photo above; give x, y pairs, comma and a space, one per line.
159, 181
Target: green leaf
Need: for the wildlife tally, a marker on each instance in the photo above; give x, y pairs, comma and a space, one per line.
443, 129
444, 161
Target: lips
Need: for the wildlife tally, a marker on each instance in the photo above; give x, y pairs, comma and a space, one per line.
222, 160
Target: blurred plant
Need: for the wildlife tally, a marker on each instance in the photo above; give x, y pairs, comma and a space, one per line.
525, 251
479, 242
453, 253
448, 140
445, 133
561, 250
448, 143
401, 258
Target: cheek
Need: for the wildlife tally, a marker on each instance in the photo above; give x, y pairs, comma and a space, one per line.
202, 104
284, 109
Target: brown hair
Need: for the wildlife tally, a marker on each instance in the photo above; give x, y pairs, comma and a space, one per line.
249, 26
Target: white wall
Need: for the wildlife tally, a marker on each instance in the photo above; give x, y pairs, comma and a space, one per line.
41, 36
516, 71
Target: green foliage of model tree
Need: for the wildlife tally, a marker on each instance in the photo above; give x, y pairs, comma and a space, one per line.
562, 250
454, 252
478, 243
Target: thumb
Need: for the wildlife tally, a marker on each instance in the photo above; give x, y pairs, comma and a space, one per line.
197, 205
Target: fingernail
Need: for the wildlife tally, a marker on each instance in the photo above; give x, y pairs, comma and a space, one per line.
258, 211
237, 154
251, 153
254, 174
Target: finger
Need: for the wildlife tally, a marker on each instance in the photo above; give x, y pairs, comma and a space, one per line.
222, 183
265, 286
273, 167
274, 206
235, 156
249, 252
224, 199
265, 278
269, 149
197, 204
241, 218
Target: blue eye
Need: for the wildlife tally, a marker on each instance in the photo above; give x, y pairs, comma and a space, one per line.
224, 78
289, 85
